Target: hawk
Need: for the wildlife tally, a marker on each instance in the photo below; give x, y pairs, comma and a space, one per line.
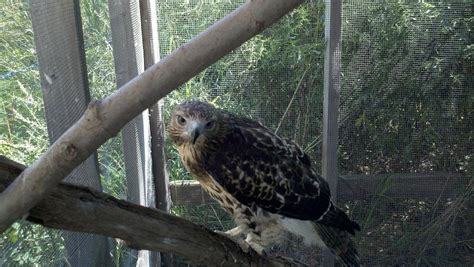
267, 183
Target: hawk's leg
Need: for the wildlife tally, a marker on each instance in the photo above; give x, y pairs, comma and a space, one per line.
236, 231
255, 242
263, 235
235, 235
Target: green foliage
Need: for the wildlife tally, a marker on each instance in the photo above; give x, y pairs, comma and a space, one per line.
211, 215
408, 109
101, 77
23, 133
25, 244
259, 78
410, 106
98, 48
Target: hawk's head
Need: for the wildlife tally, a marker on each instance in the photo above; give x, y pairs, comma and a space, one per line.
195, 123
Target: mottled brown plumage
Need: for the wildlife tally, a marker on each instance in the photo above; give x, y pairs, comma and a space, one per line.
267, 183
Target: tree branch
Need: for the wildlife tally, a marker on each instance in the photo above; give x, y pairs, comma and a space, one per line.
103, 119
77, 208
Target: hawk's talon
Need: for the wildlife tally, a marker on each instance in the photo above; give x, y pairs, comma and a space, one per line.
258, 248
236, 231
240, 241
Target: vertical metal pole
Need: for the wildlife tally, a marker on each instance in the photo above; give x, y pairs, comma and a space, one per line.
151, 54
127, 43
332, 76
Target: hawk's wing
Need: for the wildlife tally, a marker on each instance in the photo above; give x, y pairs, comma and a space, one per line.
261, 169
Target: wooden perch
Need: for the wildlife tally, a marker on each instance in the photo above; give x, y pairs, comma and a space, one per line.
103, 119
77, 208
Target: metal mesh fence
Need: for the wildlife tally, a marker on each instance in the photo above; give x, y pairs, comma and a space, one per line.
405, 76
275, 78
405, 113
60, 102
125, 159
23, 132
65, 95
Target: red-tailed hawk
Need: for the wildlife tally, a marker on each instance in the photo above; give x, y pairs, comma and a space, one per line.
267, 183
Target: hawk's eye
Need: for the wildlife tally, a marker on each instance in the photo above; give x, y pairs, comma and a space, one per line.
181, 120
209, 124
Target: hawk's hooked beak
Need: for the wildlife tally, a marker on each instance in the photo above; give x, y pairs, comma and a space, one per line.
194, 130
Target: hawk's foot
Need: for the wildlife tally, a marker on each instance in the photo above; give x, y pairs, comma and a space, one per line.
236, 238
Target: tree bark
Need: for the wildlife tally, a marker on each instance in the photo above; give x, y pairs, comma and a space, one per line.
103, 119
82, 209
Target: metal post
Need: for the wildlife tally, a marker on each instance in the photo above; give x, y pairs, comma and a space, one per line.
332, 76
151, 54
128, 51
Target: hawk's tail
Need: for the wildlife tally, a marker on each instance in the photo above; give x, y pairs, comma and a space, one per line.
340, 242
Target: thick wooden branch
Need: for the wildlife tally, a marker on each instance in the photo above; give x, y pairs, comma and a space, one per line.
77, 208
103, 119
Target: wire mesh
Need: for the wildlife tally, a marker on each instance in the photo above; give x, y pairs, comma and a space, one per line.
124, 160
275, 78
23, 133
404, 109
65, 96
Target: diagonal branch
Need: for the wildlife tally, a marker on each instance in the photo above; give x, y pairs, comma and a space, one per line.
103, 119
77, 208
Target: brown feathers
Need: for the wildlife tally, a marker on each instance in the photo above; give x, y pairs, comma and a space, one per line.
255, 166
264, 181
